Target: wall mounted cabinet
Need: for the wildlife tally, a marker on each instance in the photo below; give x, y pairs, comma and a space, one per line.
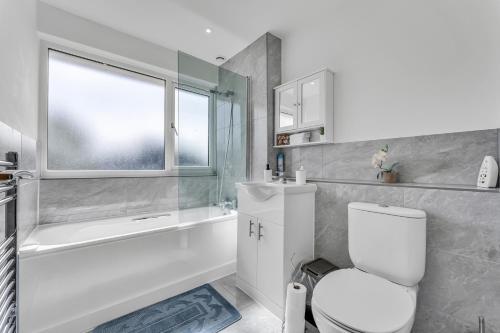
306, 104
275, 229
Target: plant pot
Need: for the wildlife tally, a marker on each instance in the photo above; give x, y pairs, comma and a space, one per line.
389, 177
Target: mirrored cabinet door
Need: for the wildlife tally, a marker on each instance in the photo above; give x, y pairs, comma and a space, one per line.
311, 100
286, 106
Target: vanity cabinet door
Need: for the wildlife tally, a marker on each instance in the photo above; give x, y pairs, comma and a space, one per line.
311, 101
286, 107
247, 249
270, 261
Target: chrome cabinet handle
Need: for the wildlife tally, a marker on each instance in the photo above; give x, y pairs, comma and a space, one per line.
260, 231
250, 231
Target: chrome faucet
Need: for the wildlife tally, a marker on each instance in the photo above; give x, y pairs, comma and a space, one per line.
226, 206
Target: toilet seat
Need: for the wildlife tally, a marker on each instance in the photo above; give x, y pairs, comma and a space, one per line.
358, 301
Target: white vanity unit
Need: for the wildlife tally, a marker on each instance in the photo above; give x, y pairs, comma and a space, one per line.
275, 227
305, 105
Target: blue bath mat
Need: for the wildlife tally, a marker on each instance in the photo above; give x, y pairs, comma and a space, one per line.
200, 310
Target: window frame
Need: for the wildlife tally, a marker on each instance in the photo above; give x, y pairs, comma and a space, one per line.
195, 170
169, 117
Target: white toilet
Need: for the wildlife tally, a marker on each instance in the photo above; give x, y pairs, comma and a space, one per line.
379, 295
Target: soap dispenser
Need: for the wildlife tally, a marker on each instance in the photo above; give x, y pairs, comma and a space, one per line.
268, 174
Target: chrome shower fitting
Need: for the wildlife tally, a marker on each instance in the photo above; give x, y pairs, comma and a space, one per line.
227, 93
482, 325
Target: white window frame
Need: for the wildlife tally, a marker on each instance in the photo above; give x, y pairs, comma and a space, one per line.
196, 170
169, 119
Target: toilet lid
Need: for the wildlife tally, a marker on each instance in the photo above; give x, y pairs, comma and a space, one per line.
363, 302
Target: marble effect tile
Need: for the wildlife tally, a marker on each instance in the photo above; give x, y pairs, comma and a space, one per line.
27, 208
462, 223
10, 140
261, 61
27, 191
273, 80
65, 200
452, 158
435, 321
311, 159
28, 156
145, 195
255, 318
197, 191
460, 288
74, 200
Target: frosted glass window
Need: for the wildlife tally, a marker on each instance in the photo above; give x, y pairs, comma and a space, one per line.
192, 122
101, 117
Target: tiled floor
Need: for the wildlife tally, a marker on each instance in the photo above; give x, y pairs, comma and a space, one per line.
255, 318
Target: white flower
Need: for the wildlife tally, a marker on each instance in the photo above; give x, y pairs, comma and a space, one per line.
379, 158
381, 155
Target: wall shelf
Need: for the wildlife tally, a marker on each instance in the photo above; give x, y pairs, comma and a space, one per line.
317, 143
449, 187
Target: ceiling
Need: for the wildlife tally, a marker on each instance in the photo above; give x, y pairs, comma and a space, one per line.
181, 24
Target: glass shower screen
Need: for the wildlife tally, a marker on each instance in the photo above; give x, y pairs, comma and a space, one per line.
210, 131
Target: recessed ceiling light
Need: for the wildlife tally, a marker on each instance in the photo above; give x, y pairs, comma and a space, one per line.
208, 31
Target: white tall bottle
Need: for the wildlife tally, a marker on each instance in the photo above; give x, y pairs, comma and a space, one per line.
300, 176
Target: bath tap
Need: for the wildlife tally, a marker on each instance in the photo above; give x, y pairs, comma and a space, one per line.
226, 207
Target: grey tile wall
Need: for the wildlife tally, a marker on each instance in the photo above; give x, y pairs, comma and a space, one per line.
452, 158
75, 200
273, 80
261, 61
27, 192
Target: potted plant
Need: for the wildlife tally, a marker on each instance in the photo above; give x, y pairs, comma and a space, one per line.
321, 134
386, 173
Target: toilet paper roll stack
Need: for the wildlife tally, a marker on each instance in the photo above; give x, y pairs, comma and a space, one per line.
295, 308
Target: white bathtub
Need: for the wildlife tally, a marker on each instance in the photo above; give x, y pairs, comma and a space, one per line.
75, 276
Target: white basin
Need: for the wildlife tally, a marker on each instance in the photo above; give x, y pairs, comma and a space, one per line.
259, 191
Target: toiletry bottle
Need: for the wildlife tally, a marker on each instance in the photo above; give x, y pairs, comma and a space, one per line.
268, 174
300, 176
281, 164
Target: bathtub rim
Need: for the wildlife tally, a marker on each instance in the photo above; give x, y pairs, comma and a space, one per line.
35, 250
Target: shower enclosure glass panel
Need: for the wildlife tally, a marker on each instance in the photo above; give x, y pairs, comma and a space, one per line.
210, 133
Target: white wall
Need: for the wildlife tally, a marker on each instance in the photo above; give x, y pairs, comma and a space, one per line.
61, 24
63, 27
405, 67
19, 65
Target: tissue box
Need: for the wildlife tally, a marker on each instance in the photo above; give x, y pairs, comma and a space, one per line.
298, 138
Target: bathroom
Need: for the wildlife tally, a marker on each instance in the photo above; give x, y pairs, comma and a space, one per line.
174, 165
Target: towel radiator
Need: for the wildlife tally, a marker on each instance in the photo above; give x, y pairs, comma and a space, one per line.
8, 246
